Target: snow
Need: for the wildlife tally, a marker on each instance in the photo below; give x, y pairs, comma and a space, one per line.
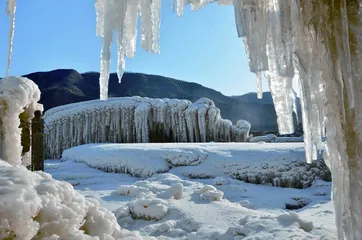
283, 39
277, 164
35, 206
17, 94
191, 217
138, 120
274, 138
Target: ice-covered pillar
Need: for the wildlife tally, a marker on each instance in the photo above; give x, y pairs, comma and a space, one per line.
329, 61
16, 94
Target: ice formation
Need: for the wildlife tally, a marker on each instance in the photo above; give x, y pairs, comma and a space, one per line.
318, 41
138, 120
35, 206
10, 10
17, 94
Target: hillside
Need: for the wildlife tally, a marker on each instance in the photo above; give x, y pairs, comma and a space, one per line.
65, 86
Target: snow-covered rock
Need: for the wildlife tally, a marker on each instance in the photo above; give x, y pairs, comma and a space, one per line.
138, 120
210, 193
35, 206
148, 209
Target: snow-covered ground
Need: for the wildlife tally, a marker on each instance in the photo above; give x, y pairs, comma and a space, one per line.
277, 164
172, 205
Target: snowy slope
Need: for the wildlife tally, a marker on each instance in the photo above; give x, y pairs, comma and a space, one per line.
246, 210
277, 164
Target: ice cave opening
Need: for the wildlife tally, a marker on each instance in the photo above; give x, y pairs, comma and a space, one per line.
318, 41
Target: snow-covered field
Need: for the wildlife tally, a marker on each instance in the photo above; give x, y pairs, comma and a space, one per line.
277, 164
171, 205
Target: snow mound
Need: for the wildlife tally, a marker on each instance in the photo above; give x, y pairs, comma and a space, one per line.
108, 158
185, 158
130, 190
210, 193
138, 120
290, 218
17, 95
221, 181
33, 205
148, 209
246, 204
175, 192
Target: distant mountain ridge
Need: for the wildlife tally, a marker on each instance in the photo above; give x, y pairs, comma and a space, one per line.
64, 86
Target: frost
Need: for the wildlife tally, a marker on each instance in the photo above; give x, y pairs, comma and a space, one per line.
139, 120
17, 95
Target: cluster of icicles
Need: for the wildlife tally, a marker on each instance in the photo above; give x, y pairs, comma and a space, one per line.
138, 120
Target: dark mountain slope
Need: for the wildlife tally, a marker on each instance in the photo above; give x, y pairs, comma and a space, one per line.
66, 86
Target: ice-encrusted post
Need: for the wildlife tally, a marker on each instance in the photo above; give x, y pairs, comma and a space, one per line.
329, 61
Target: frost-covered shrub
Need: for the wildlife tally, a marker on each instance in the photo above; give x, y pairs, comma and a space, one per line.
35, 206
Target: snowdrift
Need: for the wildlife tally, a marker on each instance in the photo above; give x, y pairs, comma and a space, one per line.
138, 120
35, 206
276, 164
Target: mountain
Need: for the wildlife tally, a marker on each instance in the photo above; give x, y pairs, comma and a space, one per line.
64, 86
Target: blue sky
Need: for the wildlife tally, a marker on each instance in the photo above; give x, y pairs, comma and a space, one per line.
200, 47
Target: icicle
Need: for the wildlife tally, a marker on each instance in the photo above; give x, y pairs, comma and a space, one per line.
259, 83
121, 10
131, 27
10, 10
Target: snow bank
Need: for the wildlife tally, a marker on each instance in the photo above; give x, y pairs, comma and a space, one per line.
34, 206
276, 164
17, 94
137, 120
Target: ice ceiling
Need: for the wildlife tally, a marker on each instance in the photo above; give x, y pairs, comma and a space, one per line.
316, 41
